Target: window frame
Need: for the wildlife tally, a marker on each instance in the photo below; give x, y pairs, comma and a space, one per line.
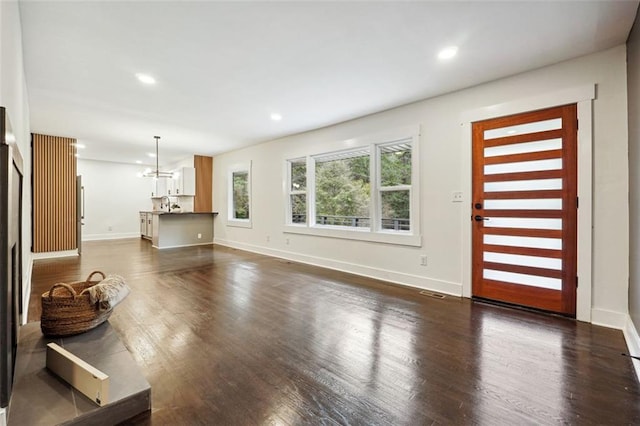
290, 192
374, 233
379, 188
311, 174
231, 220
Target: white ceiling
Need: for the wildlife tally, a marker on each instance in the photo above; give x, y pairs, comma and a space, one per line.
223, 67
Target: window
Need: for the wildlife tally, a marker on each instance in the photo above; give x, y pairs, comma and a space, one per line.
298, 191
365, 193
395, 186
241, 195
239, 200
342, 189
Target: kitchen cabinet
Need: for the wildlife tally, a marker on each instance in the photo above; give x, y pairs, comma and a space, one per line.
146, 225
143, 224
184, 182
162, 186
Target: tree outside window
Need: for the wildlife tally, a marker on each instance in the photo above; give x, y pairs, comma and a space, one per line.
343, 191
371, 188
241, 195
298, 191
395, 186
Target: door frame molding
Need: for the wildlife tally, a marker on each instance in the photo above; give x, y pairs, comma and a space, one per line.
583, 97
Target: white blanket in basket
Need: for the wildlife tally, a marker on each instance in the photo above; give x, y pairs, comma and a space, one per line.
109, 292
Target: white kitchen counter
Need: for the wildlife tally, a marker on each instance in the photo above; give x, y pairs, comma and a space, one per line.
181, 229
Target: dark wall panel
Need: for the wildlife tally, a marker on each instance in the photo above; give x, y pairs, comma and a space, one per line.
633, 96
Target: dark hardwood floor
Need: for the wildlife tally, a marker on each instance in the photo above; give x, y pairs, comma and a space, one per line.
227, 337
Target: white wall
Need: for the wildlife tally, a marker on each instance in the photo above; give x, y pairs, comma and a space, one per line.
13, 96
441, 152
113, 197
633, 97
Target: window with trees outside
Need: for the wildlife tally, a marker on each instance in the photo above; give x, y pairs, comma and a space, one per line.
298, 190
342, 189
369, 189
395, 186
239, 201
241, 195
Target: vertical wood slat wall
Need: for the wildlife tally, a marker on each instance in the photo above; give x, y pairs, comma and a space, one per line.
54, 193
204, 183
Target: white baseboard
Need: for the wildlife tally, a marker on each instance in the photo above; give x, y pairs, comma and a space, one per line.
606, 318
408, 280
3, 417
633, 343
54, 254
183, 245
110, 236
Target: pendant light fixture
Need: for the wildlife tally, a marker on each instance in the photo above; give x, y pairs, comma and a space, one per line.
157, 173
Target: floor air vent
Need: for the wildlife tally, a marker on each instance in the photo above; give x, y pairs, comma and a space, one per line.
432, 294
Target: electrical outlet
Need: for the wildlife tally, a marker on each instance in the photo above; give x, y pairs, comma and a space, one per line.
423, 260
110, 228
286, 241
199, 236
456, 197
268, 238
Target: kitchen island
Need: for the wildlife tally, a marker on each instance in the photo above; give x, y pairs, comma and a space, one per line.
179, 229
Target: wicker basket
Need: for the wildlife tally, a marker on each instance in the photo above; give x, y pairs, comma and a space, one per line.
67, 309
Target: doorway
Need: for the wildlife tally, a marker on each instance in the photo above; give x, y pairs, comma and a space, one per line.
524, 209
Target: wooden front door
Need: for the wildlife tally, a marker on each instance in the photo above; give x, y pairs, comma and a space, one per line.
524, 209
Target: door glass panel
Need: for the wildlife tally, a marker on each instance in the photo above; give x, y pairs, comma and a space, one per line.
530, 242
517, 222
523, 260
523, 185
523, 148
522, 129
532, 204
524, 279
524, 166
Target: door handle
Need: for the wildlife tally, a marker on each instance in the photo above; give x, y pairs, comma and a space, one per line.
479, 218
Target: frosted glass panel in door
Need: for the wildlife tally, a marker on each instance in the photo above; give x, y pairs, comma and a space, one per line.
518, 222
523, 185
523, 148
521, 129
523, 279
532, 242
523, 166
533, 204
523, 260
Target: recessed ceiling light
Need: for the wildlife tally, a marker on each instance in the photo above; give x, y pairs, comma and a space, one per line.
276, 117
138, 162
151, 154
448, 52
77, 155
146, 78
512, 132
79, 145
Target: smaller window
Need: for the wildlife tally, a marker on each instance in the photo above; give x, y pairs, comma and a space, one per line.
298, 191
239, 196
395, 186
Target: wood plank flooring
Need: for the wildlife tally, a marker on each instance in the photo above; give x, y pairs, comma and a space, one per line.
227, 337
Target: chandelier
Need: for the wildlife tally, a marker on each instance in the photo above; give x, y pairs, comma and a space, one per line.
157, 173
